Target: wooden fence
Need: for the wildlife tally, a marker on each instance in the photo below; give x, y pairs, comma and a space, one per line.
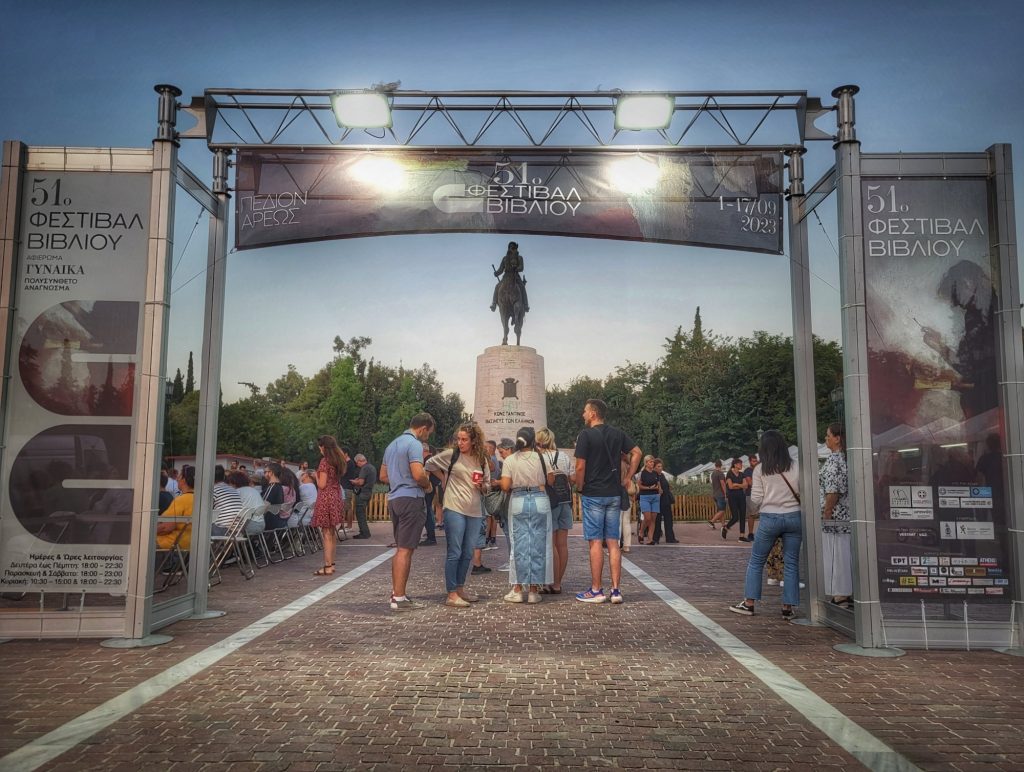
685, 508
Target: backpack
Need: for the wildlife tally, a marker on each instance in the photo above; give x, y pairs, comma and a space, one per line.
559, 492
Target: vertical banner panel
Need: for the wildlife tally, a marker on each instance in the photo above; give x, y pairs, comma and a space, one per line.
938, 434
67, 501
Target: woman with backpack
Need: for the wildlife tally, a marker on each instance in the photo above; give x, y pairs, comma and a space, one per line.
561, 476
524, 475
465, 471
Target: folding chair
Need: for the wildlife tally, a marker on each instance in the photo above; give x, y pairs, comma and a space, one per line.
258, 540
171, 576
234, 542
297, 531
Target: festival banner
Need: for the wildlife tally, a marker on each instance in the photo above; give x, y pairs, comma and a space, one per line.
728, 200
66, 507
937, 430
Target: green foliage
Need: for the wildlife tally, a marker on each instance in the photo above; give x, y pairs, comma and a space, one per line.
177, 388
190, 379
707, 397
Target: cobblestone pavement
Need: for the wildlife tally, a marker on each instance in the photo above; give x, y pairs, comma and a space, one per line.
348, 683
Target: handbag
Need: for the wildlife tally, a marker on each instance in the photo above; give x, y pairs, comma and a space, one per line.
496, 503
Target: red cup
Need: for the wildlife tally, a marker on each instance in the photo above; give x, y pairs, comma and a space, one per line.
478, 477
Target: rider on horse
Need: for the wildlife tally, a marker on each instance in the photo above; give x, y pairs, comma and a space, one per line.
512, 266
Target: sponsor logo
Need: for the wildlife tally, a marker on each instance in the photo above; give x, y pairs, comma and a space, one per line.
983, 582
993, 590
902, 513
899, 496
1002, 582
959, 582
946, 490
905, 589
948, 502
981, 491
965, 561
938, 581
943, 560
978, 503
915, 560
925, 591
953, 591
929, 561
919, 571
921, 495
975, 591
975, 572
908, 581
898, 560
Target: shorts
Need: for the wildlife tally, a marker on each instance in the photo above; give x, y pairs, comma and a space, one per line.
601, 517
650, 502
753, 510
561, 517
408, 516
719, 503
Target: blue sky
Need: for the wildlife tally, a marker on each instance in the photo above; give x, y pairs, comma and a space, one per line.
934, 76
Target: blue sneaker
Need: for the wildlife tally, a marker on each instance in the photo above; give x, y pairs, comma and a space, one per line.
616, 596
592, 596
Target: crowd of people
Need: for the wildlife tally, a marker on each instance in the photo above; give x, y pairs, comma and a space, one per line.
523, 487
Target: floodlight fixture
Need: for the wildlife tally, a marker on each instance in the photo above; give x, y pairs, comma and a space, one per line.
361, 109
634, 175
636, 112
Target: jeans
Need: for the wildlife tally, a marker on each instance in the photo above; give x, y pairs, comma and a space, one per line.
462, 534
788, 528
529, 519
738, 505
362, 502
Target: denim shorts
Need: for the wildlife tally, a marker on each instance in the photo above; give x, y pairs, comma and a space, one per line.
561, 517
601, 517
650, 502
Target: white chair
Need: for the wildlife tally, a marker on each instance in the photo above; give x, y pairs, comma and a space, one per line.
234, 542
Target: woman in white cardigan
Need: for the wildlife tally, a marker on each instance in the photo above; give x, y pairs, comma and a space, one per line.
774, 488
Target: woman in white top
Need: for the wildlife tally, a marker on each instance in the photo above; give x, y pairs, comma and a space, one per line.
773, 488
466, 472
561, 514
529, 519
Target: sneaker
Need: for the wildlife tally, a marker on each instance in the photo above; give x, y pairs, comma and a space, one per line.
361, 536
505, 567
533, 597
428, 542
725, 532
773, 582
488, 547
404, 605
782, 583
513, 597
456, 602
616, 596
742, 608
592, 596
480, 570
745, 538
788, 613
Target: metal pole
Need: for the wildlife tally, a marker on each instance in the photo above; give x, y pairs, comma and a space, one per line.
153, 363
803, 372
852, 290
209, 383
1011, 367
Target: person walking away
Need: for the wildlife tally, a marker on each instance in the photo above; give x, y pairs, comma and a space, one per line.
524, 476
735, 485
599, 450
718, 493
466, 475
561, 512
834, 488
774, 488
327, 510
402, 470
363, 486
650, 500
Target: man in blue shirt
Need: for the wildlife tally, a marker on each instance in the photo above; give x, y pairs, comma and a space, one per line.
402, 471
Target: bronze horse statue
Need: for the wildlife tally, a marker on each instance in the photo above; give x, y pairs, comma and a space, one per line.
510, 295
511, 306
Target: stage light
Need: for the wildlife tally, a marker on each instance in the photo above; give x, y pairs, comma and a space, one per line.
362, 110
386, 174
636, 112
634, 175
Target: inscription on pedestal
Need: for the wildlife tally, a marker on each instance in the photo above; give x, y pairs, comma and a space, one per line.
509, 391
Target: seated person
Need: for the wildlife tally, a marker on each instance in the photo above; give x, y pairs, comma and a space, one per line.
167, 533
226, 503
166, 497
250, 495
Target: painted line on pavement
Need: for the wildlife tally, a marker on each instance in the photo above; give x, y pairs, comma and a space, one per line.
52, 744
842, 730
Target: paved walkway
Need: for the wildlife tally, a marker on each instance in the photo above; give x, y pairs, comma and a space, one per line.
668, 680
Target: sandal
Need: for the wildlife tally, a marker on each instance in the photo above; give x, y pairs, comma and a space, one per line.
324, 571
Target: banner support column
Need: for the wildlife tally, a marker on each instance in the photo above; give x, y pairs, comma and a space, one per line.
803, 378
209, 383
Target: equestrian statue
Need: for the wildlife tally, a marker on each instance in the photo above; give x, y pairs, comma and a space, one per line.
510, 293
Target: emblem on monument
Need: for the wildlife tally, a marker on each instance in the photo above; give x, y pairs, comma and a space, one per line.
509, 385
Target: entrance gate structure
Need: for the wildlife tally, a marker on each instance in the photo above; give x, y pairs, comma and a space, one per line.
925, 537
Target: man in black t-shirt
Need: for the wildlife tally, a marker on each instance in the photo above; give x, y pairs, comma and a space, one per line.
600, 450
347, 489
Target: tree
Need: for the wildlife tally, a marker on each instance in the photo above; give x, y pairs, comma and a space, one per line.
177, 388
190, 379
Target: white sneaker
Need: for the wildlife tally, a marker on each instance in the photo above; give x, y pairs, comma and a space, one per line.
773, 582
513, 597
783, 584
504, 567
533, 597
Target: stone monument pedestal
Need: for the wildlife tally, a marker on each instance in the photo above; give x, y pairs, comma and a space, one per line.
510, 391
